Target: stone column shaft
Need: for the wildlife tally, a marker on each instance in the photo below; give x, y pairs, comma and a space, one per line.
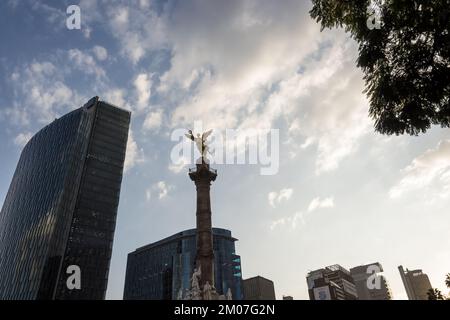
205, 253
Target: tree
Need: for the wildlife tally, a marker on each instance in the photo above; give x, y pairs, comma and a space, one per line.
405, 58
447, 280
435, 294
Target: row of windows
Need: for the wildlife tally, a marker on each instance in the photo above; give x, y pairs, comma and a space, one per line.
37, 214
145, 266
99, 194
34, 209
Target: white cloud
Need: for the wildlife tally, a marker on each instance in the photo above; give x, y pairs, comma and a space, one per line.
277, 223
16, 115
45, 68
241, 70
134, 154
117, 97
120, 17
427, 172
291, 221
100, 53
153, 120
160, 188
244, 69
277, 197
178, 167
309, 141
22, 138
87, 32
54, 15
325, 105
299, 217
163, 189
144, 4
317, 203
138, 29
40, 94
229, 62
142, 85
85, 62
272, 196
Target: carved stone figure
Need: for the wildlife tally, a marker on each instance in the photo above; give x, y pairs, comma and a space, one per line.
207, 291
229, 294
195, 280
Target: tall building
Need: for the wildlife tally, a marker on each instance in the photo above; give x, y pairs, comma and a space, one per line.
160, 270
331, 283
258, 288
370, 284
60, 209
416, 283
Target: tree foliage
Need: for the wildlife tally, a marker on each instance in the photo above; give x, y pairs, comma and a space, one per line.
435, 294
406, 61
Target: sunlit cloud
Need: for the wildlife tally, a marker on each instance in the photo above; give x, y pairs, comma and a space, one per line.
428, 170
276, 198
160, 189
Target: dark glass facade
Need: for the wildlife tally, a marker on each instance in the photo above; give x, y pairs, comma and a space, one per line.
61, 207
159, 270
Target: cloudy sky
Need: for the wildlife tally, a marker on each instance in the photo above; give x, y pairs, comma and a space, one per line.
343, 193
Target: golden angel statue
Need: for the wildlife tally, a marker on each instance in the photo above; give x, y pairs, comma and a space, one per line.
200, 142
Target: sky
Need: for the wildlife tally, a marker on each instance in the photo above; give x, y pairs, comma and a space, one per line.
343, 194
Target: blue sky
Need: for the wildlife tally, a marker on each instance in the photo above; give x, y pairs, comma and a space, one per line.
343, 194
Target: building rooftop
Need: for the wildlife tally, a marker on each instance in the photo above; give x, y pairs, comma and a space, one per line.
217, 232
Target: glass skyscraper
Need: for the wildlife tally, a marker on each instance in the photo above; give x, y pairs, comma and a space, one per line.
61, 206
159, 270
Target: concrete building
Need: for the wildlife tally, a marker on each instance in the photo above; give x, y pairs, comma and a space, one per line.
416, 283
331, 283
370, 284
258, 288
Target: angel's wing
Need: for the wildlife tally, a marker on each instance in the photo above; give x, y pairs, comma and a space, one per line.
206, 134
189, 136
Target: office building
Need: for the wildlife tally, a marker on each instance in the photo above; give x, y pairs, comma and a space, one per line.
161, 270
370, 284
331, 283
60, 210
258, 288
416, 283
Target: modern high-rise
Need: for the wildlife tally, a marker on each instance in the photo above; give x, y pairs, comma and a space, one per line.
416, 283
370, 284
163, 269
258, 288
331, 283
59, 215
